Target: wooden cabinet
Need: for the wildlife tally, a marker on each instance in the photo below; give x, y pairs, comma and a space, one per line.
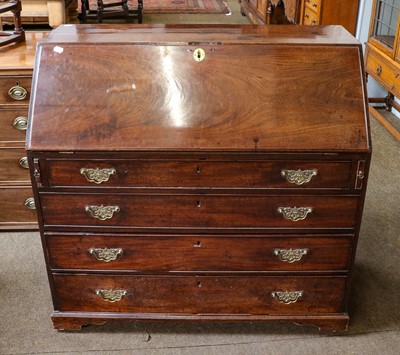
16, 197
172, 195
382, 56
271, 11
330, 12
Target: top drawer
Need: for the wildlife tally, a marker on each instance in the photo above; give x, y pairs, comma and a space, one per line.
197, 174
15, 90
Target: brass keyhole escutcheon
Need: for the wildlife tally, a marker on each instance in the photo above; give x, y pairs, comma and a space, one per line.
199, 54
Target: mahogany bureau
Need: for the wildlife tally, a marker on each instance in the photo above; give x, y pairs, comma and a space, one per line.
16, 197
199, 172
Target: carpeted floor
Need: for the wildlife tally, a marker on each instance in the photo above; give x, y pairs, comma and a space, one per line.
25, 326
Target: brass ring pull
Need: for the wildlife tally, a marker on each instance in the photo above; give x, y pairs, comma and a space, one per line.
105, 254
111, 295
287, 297
379, 70
97, 175
21, 123
295, 213
23, 162
290, 255
30, 203
18, 92
102, 212
299, 177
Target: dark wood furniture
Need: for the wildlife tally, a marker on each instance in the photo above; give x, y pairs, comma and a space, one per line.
382, 57
330, 12
16, 196
18, 35
210, 173
110, 9
269, 12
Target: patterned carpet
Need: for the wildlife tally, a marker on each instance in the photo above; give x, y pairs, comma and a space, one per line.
175, 6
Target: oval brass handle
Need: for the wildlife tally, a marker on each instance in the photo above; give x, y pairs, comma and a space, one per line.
379, 70
295, 213
111, 295
18, 92
314, 22
105, 254
21, 123
299, 177
306, 15
290, 255
30, 203
97, 175
23, 162
102, 212
287, 297
314, 5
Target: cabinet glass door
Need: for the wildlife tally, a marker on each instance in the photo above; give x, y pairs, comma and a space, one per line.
385, 22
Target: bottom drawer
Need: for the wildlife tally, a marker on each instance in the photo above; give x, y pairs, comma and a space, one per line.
17, 208
200, 294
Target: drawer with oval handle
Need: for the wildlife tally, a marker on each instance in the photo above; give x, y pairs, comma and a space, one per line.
17, 207
13, 125
15, 90
198, 211
380, 69
197, 174
166, 253
197, 294
14, 166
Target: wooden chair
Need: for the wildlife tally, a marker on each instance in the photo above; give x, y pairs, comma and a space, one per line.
113, 9
18, 35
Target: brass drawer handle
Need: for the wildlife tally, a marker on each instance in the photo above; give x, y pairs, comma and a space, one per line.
97, 175
295, 213
102, 212
105, 254
30, 203
23, 162
290, 255
111, 295
313, 22
287, 297
18, 92
315, 5
299, 177
379, 70
21, 123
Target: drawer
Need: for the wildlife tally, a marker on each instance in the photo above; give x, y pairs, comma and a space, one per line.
208, 174
14, 166
196, 253
17, 206
310, 17
313, 4
199, 294
13, 125
199, 211
15, 90
381, 70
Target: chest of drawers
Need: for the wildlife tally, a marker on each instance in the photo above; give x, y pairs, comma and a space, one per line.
187, 185
16, 197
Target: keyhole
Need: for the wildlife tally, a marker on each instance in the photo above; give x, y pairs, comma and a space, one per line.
198, 203
198, 54
197, 244
198, 170
198, 284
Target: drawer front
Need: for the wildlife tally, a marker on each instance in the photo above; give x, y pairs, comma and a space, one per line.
14, 165
16, 206
199, 211
381, 70
196, 253
313, 4
200, 294
15, 90
212, 174
310, 17
13, 125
